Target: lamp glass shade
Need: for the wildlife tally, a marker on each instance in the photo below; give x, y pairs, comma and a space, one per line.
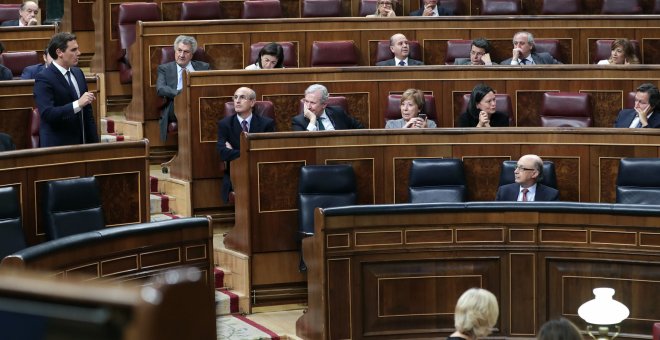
603, 309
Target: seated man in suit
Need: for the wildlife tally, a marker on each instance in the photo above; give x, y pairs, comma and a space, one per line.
27, 15
231, 127
318, 116
31, 71
528, 172
523, 54
401, 48
479, 53
170, 78
643, 115
431, 9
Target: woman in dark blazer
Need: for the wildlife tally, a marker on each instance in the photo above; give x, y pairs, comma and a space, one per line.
481, 110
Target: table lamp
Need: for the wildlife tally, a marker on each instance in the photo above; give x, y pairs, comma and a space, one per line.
603, 312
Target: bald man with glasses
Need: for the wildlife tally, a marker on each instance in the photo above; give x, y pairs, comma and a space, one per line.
528, 172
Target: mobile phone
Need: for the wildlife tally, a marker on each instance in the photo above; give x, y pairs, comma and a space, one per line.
422, 116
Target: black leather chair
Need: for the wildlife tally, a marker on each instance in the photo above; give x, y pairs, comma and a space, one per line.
11, 226
72, 206
6, 143
638, 181
437, 180
549, 174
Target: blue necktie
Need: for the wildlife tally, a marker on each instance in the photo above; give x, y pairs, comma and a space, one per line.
402, 63
523, 61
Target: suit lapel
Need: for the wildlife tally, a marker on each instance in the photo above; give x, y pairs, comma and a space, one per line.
172, 76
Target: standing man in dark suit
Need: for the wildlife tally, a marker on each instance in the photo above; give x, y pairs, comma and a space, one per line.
61, 95
31, 71
431, 9
231, 127
27, 15
401, 48
646, 113
528, 172
523, 46
170, 78
318, 116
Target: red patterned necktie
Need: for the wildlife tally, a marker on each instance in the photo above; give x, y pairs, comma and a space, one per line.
525, 191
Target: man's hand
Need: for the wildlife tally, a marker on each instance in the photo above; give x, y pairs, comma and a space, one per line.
33, 22
310, 115
86, 99
428, 10
486, 59
228, 146
516, 54
643, 116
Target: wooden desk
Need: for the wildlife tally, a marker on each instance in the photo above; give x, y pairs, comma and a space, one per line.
33, 38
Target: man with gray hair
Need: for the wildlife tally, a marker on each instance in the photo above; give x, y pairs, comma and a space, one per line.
527, 174
523, 52
170, 78
318, 116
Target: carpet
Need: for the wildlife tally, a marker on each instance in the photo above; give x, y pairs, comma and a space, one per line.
237, 327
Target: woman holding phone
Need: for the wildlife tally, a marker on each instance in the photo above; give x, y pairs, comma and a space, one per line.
482, 109
412, 116
623, 53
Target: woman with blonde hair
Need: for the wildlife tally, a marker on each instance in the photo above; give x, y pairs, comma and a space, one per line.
623, 53
475, 315
385, 9
412, 112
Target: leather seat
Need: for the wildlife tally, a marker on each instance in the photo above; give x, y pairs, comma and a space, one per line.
200, 10
167, 54
394, 107
261, 108
500, 7
566, 109
10, 12
604, 50
17, 61
334, 54
35, 120
72, 206
289, 49
656, 326
437, 180
630, 100
637, 181
367, 7
261, 9
502, 104
621, 7
332, 101
656, 10
561, 7
549, 173
550, 46
6, 142
129, 14
321, 8
12, 238
457, 49
383, 51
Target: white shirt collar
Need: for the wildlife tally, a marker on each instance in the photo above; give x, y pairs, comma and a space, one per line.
397, 60
62, 69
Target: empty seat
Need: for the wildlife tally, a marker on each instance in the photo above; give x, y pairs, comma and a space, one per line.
33, 134
260, 108
457, 49
604, 50
500, 7
332, 101
167, 54
321, 8
383, 51
566, 109
502, 104
289, 49
17, 61
549, 174
200, 10
637, 181
72, 206
12, 238
334, 53
621, 7
550, 46
129, 14
394, 107
561, 7
367, 7
6, 142
437, 180
9, 12
261, 9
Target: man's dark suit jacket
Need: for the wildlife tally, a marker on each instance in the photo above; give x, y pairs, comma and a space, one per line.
31, 71
509, 192
5, 73
390, 62
625, 118
59, 125
441, 11
339, 118
10, 23
229, 130
166, 88
539, 59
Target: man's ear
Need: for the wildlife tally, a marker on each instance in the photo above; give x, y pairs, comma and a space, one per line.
392, 48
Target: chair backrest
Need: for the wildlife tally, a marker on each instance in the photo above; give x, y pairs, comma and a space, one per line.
332, 101
17, 61
500, 7
604, 50
290, 53
72, 206
550, 46
570, 109
369, 7
630, 100
383, 52
437, 180
334, 53
561, 7
656, 10
394, 107
502, 104
637, 181
323, 186
35, 119
656, 326
200, 10
12, 238
621, 7
261, 9
457, 49
549, 174
321, 8
261, 108
129, 14
9, 12
6, 142
167, 54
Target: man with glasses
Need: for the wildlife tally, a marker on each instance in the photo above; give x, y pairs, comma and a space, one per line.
385, 9
431, 9
643, 115
528, 172
523, 52
479, 54
401, 48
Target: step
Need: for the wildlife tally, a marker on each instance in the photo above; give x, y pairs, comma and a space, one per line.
163, 217
236, 271
238, 327
171, 187
112, 138
227, 302
161, 203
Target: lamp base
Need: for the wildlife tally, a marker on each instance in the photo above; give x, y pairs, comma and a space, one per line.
603, 332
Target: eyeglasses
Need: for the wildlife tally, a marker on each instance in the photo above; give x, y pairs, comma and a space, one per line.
385, 3
522, 168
